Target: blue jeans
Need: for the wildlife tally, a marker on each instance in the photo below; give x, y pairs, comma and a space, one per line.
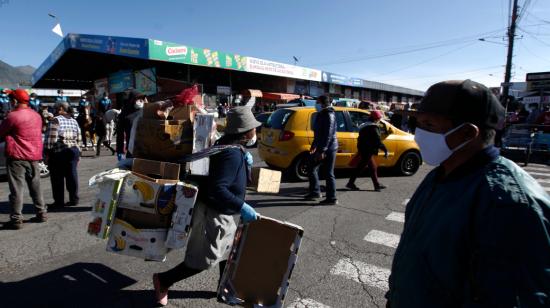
63, 172
328, 169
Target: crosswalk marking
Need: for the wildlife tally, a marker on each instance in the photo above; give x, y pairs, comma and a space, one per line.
539, 173
362, 272
306, 303
396, 216
528, 169
382, 238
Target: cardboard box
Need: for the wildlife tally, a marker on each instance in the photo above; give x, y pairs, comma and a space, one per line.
180, 228
156, 169
127, 240
148, 195
186, 112
142, 220
266, 180
163, 140
104, 208
260, 264
202, 139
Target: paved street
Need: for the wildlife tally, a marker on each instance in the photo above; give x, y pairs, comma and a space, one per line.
344, 260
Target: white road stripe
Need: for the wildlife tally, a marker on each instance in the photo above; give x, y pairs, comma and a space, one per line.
405, 201
363, 273
306, 303
396, 216
382, 238
535, 169
539, 173
543, 180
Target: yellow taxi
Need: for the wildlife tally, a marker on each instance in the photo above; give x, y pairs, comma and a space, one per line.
287, 136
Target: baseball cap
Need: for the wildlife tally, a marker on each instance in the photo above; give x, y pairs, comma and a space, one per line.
376, 115
463, 101
20, 95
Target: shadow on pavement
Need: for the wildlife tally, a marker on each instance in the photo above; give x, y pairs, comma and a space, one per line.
139, 298
28, 209
77, 285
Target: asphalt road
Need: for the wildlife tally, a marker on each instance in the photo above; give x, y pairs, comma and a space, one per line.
344, 259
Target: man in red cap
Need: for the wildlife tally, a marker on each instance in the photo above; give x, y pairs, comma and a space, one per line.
22, 130
368, 143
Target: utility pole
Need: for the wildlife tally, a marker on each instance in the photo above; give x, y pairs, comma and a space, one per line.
511, 37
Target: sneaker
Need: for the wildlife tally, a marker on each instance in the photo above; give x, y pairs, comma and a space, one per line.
161, 295
329, 202
39, 218
313, 197
13, 224
379, 188
351, 186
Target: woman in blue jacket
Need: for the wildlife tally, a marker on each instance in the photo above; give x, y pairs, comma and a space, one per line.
219, 199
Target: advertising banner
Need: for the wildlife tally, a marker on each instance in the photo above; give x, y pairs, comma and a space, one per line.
342, 80
146, 81
122, 46
120, 81
255, 65
172, 52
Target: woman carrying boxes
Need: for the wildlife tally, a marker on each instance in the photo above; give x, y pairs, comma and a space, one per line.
221, 197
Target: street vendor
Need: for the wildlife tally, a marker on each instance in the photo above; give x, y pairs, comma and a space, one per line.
222, 196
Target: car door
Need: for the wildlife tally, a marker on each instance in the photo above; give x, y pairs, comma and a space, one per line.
357, 118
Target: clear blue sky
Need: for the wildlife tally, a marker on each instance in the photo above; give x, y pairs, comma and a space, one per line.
355, 37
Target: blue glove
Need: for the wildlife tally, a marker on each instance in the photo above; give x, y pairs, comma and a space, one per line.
248, 214
248, 158
119, 156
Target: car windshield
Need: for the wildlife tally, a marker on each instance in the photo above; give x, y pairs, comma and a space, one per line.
278, 119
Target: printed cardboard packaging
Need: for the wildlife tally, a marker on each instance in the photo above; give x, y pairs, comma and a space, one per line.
148, 244
266, 180
148, 195
180, 228
260, 264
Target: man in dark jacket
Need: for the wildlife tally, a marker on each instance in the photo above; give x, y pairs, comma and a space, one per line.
323, 151
368, 144
477, 228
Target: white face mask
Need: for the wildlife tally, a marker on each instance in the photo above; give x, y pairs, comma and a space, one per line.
433, 147
139, 104
251, 141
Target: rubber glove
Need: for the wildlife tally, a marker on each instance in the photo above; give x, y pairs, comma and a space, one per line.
119, 156
248, 158
248, 214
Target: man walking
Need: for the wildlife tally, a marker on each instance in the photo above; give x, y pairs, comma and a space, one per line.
22, 130
323, 152
368, 144
476, 230
63, 154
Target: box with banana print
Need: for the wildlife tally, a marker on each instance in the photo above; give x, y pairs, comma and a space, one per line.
148, 195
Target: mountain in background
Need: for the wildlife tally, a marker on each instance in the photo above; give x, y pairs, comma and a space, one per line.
18, 76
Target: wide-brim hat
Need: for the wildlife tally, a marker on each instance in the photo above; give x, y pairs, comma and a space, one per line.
240, 120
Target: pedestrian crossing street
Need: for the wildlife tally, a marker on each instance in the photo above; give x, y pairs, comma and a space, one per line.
377, 277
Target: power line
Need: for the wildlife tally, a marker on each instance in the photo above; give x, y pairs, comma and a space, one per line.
533, 54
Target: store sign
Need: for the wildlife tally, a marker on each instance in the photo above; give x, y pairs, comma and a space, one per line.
172, 52
121, 46
536, 99
342, 80
120, 81
255, 65
146, 81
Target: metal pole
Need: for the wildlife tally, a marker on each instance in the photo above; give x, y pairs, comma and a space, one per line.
511, 36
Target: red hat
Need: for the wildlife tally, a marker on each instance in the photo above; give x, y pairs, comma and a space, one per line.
376, 115
20, 95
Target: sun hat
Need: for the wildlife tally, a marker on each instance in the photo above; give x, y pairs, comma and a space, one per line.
463, 101
240, 120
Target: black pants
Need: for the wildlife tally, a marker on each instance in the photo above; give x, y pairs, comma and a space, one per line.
367, 160
101, 141
63, 172
181, 272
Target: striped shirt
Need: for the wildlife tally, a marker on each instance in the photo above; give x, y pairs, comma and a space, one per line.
62, 133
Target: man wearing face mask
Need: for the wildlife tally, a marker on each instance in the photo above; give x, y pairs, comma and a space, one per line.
476, 230
131, 109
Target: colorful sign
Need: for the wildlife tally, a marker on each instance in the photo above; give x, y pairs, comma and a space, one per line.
120, 81
172, 52
146, 81
255, 65
121, 46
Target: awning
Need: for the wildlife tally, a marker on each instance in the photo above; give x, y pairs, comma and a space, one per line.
280, 96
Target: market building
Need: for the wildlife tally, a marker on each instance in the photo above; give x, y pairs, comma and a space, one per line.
114, 64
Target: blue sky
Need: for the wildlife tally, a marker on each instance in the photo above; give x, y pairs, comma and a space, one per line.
402, 42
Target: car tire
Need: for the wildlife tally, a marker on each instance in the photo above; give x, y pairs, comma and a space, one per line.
409, 163
299, 167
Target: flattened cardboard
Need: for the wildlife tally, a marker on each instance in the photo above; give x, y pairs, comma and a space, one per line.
163, 140
180, 228
148, 195
156, 169
125, 239
261, 262
266, 180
